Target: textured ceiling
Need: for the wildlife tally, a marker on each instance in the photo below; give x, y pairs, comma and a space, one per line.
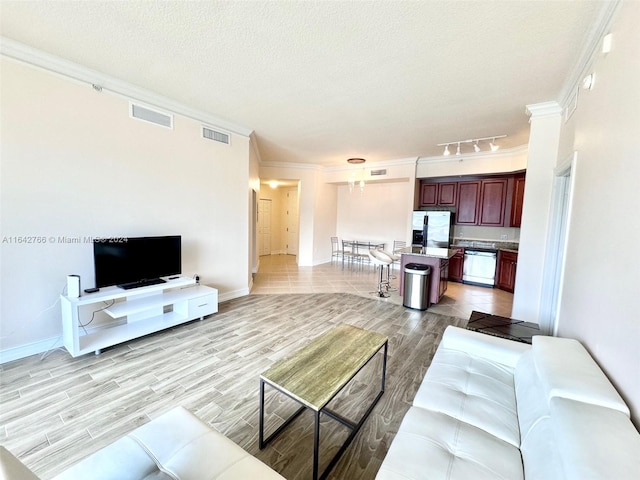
319, 82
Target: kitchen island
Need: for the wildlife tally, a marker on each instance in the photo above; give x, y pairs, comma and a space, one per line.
437, 259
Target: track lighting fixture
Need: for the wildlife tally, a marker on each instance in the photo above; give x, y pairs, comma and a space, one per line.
476, 144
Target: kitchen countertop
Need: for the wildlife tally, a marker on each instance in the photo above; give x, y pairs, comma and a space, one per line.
487, 245
432, 252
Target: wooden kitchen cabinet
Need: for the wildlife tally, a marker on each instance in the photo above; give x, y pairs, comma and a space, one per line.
447, 194
428, 194
444, 277
456, 264
506, 271
468, 199
517, 201
438, 194
490, 201
493, 196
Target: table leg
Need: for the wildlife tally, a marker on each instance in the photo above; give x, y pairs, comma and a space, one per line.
261, 421
384, 365
316, 444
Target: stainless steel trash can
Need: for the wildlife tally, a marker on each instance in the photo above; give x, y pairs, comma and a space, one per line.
416, 286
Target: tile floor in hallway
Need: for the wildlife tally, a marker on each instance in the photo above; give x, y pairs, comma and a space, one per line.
281, 274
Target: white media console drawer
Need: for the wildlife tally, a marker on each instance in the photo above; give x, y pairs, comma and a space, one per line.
201, 306
135, 312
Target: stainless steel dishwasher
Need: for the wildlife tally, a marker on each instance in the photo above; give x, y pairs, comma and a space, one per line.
479, 267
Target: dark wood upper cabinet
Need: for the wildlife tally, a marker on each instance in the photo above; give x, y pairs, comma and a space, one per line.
429, 195
491, 200
447, 194
438, 194
518, 199
468, 199
493, 196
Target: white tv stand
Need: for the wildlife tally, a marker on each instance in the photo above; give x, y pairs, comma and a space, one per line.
144, 310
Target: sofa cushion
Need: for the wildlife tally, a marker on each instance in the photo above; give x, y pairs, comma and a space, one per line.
567, 370
433, 446
176, 445
539, 451
595, 443
532, 401
123, 459
472, 389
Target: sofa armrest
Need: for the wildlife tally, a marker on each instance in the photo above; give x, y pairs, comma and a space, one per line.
594, 442
495, 349
567, 370
11, 468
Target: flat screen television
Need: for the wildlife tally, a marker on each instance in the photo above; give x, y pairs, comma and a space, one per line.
136, 261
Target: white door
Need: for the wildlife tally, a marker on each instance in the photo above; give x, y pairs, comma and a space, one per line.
292, 221
264, 227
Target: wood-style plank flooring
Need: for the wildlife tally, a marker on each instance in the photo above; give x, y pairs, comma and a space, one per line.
57, 410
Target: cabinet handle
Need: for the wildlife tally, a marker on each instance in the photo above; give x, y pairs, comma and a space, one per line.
202, 305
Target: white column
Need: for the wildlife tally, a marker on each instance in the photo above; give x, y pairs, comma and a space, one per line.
544, 137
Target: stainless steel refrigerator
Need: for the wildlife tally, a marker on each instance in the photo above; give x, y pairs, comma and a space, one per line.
435, 225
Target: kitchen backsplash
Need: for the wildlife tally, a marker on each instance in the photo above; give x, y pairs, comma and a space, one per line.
503, 234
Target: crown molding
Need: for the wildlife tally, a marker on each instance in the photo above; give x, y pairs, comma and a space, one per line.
544, 109
79, 73
589, 52
374, 165
296, 166
253, 144
522, 149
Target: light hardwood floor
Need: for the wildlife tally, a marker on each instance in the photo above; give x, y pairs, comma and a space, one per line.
281, 274
58, 410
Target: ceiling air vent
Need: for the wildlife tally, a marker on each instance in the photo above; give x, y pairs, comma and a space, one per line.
149, 115
378, 172
215, 135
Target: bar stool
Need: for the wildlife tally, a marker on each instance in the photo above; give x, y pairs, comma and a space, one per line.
381, 260
394, 257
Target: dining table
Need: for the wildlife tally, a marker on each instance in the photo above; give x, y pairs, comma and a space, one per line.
356, 252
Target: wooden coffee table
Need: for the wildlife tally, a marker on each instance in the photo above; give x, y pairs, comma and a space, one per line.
316, 373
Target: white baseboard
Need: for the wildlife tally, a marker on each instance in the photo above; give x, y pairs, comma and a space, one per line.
35, 348
42, 346
241, 292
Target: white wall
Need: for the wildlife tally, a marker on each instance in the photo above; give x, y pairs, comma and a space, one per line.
74, 164
602, 278
311, 193
378, 213
502, 161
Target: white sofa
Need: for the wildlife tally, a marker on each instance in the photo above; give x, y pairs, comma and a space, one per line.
490, 408
176, 445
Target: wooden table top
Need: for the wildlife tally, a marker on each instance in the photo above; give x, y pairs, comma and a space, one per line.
318, 371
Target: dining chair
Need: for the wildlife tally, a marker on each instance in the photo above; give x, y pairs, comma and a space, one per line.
398, 245
336, 251
347, 252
